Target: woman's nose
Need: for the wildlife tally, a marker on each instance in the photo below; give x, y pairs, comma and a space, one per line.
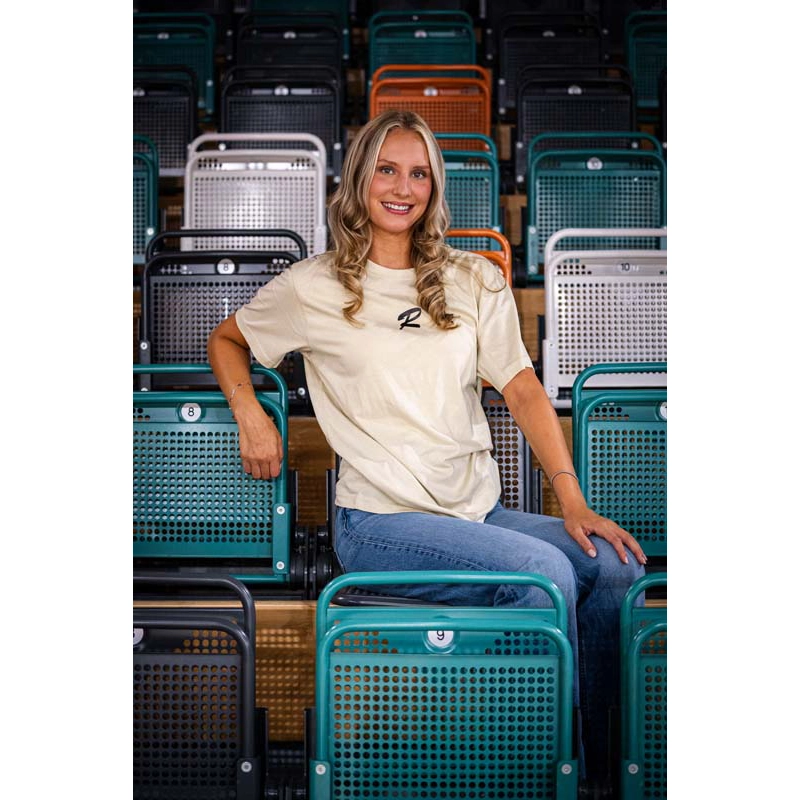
402, 185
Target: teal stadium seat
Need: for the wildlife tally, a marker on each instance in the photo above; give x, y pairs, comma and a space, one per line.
194, 507
179, 39
593, 188
620, 449
145, 195
644, 692
419, 37
472, 191
435, 701
646, 56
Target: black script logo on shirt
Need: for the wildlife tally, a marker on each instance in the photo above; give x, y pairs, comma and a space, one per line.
409, 316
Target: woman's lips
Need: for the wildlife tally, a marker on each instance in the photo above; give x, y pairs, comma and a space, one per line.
397, 208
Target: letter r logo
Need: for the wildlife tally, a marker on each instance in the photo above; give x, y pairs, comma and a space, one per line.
409, 316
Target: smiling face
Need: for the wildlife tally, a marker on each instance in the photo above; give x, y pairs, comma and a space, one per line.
401, 187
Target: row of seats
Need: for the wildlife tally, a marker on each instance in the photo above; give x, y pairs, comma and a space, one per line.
233, 181
578, 154
599, 304
406, 701
511, 36
545, 79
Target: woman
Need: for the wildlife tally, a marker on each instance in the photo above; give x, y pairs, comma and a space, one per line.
398, 331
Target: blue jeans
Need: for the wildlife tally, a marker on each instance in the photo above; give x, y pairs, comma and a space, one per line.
511, 541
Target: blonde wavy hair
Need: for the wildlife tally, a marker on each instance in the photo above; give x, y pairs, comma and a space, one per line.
351, 232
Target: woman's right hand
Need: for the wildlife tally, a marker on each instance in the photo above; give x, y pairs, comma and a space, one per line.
260, 443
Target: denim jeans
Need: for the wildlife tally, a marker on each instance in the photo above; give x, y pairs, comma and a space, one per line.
511, 541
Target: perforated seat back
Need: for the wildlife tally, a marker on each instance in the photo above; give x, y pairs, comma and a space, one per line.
646, 54
186, 295
165, 110
424, 41
194, 715
190, 752
521, 484
238, 189
610, 189
145, 197
184, 307
163, 40
602, 306
532, 38
620, 454
265, 39
644, 694
441, 702
472, 191
337, 11
191, 496
550, 105
447, 104
285, 105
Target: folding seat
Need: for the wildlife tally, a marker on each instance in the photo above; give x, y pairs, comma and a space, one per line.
488, 243
525, 38
472, 191
285, 99
643, 634
438, 701
448, 104
195, 510
429, 36
165, 110
251, 181
186, 294
602, 305
520, 480
578, 99
145, 195
613, 15
179, 40
337, 11
272, 38
592, 188
646, 56
197, 731
619, 432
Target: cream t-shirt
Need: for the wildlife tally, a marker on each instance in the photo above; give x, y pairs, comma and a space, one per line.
397, 398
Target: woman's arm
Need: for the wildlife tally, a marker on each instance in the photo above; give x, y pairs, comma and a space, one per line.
260, 443
534, 414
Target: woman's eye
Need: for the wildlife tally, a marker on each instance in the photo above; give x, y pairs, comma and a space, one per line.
420, 174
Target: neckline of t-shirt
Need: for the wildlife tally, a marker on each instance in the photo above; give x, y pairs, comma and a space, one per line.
389, 272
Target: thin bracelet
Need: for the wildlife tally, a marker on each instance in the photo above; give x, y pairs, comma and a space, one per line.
562, 472
233, 391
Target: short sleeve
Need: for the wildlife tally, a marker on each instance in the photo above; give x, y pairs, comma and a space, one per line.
273, 322
501, 351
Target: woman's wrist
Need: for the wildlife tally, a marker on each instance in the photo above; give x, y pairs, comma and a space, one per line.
240, 396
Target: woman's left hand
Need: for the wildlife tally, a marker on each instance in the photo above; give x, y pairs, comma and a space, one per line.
585, 523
